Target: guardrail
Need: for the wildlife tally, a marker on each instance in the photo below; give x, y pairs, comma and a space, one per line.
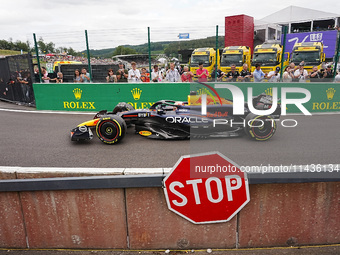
152, 181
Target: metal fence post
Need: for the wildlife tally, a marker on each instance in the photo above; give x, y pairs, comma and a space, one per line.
336, 58
149, 46
37, 54
283, 51
88, 55
216, 60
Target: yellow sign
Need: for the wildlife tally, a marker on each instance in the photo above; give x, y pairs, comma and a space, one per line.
77, 93
136, 93
269, 92
306, 48
232, 52
330, 93
265, 50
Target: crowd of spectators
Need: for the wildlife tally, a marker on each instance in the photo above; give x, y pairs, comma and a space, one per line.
19, 87
291, 73
97, 61
177, 73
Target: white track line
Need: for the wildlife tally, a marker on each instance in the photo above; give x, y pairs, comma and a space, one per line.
262, 169
47, 112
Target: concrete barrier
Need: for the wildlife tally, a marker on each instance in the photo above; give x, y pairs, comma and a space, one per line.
138, 218
12, 226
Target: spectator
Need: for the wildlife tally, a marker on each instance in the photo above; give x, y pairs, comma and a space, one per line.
172, 75
57, 78
258, 74
301, 74
220, 74
122, 74
287, 76
337, 77
245, 75
77, 76
44, 75
36, 74
187, 75
26, 85
156, 75
60, 77
201, 73
292, 70
315, 75
328, 74
274, 76
111, 77
145, 76
53, 77
133, 74
233, 74
85, 76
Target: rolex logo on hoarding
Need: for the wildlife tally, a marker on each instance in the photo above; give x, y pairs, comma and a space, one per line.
77, 93
269, 92
202, 91
330, 93
136, 93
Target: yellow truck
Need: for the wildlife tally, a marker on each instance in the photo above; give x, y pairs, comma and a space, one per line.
269, 57
237, 55
57, 64
309, 52
205, 55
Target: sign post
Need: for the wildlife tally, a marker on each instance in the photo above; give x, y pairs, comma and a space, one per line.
206, 188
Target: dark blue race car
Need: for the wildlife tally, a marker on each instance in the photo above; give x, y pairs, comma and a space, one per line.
167, 119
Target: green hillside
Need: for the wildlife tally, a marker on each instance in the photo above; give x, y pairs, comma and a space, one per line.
10, 52
170, 48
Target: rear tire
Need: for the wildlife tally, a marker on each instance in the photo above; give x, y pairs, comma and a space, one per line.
259, 127
111, 130
123, 107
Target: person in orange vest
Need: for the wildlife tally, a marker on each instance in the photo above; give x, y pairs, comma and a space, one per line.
145, 76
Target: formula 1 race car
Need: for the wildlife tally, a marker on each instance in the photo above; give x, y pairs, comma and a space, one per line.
167, 119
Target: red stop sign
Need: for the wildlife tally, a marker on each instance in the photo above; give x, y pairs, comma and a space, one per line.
206, 188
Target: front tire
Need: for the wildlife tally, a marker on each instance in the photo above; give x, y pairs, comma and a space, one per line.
111, 130
259, 127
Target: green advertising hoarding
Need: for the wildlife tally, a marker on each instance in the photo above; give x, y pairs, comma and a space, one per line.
93, 97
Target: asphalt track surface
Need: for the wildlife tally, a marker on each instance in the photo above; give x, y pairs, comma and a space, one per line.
31, 138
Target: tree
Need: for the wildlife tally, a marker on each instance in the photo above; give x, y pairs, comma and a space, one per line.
121, 50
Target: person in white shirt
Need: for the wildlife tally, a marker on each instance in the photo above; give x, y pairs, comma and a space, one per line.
274, 76
156, 75
172, 75
133, 74
337, 77
301, 74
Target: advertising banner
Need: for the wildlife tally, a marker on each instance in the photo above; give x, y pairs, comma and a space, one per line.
328, 38
183, 36
94, 97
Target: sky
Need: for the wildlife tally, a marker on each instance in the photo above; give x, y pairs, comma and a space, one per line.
113, 23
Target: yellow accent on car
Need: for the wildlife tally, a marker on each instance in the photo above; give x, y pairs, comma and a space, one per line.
145, 133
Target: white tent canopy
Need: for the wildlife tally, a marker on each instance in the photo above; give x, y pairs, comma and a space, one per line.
295, 14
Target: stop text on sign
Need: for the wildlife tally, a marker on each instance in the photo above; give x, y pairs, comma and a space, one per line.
232, 182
